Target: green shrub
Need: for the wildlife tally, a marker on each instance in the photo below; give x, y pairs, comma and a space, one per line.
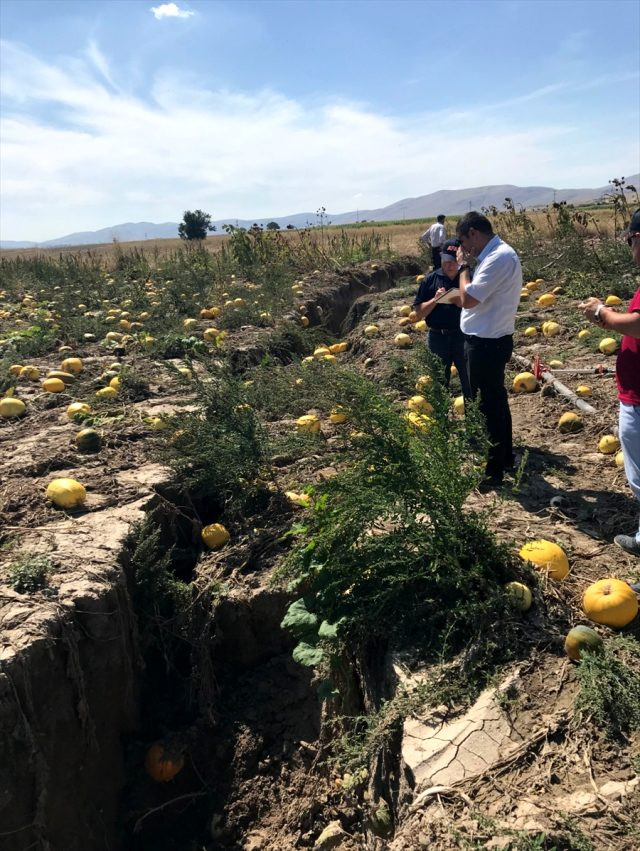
30, 573
609, 692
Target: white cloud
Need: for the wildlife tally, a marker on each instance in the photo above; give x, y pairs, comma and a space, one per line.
170, 10
80, 154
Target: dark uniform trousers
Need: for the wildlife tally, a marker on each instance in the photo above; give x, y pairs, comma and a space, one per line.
448, 345
435, 257
486, 361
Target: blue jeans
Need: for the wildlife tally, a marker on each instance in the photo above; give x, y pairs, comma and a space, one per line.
629, 430
450, 349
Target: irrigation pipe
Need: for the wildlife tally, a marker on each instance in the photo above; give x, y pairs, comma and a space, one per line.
559, 386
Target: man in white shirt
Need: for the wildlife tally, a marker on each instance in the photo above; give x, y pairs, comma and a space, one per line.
435, 237
489, 304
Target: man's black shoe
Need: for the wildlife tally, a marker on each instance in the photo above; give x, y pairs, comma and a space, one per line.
490, 483
635, 586
628, 543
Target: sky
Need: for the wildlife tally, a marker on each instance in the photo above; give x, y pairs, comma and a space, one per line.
124, 111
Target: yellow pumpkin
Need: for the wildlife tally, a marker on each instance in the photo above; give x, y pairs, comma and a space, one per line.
519, 595
53, 385
308, 424
66, 493
31, 373
570, 423
531, 331
420, 405
403, 341
608, 444
582, 335
215, 536
77, 408
72, 365
546, 556
421, 325
371, 330
420, 422
339, 415
525, 382
619, 458
423, 381
302, 500
547, 300
321, 351
551, 329
584, 391
610, 602
10, 407
458, 405
608, 346
612, 301
107, 393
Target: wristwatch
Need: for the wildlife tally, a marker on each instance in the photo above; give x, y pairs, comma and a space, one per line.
596, 314
464, 267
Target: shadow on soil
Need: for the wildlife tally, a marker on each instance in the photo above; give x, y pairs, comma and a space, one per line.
600, 514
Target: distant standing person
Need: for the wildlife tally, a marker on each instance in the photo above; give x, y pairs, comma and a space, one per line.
489, 304
628, 379
435, 237
445, 339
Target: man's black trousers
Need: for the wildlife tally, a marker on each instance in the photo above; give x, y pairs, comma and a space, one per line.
486, 361
435, 257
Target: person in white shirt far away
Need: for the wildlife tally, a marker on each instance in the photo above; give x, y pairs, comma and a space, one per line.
489, 304
435, 237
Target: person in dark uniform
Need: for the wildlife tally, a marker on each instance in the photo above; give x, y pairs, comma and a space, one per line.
445, 339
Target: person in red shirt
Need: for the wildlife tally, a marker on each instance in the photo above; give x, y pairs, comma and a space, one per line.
627, 377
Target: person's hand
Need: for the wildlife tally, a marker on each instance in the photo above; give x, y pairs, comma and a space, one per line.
461, 255
589, 307
439, 292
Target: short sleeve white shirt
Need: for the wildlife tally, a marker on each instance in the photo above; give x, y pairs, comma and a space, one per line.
496, 284
437, 234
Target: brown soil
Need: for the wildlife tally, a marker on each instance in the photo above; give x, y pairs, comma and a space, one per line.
256, 774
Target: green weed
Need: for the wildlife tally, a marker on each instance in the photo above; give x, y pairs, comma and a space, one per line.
30, 573
609, 692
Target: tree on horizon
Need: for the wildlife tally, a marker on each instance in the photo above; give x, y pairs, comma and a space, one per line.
195, 224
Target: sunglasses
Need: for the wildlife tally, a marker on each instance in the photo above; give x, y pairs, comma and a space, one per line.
631, 238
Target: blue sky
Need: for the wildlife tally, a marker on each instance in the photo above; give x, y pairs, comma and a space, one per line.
135, 111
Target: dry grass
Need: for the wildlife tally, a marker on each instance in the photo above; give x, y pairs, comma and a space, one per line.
403, 238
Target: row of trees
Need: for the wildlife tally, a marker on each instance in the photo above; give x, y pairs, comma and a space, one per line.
196, 224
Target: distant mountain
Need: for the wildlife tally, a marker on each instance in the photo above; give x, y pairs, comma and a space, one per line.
448, 201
